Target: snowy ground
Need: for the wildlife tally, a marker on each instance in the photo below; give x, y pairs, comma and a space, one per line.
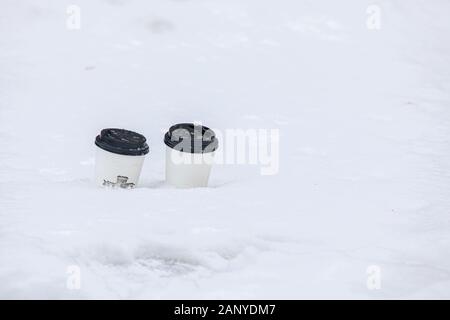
364, 118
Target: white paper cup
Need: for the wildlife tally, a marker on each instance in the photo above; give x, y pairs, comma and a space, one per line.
189, 155
119, 158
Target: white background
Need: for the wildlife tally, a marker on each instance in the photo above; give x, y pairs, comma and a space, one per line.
364, 153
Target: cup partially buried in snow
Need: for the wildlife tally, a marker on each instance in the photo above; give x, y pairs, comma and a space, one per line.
119, 158
189, 155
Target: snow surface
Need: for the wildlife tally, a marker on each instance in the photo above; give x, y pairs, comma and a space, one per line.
364, 118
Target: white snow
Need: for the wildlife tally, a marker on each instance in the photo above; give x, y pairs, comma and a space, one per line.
364, 118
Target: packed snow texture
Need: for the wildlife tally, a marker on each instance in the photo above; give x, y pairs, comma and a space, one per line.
360, 207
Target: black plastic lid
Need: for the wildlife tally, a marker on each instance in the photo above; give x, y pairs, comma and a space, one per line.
187, 137
122, 141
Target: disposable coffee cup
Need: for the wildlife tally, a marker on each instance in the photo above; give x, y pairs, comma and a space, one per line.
189, 155
119, 158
